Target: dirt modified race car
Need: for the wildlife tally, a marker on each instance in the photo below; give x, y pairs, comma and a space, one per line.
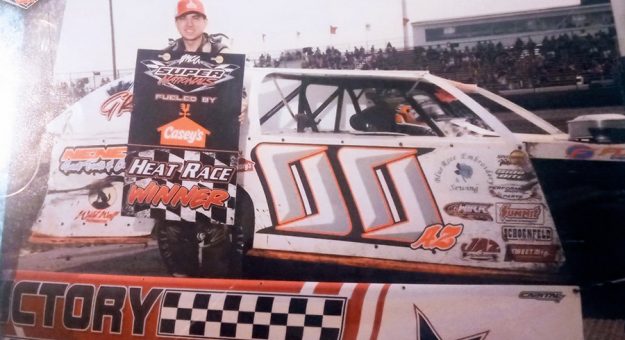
399, 170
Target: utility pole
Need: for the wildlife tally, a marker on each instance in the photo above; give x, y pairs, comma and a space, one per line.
404, 22
113, 39
618, 12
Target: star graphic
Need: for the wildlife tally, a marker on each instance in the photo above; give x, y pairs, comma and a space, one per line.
425, 330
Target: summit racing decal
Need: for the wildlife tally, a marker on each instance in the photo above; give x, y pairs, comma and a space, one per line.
90, 160
188, 74
25, 4
520, 213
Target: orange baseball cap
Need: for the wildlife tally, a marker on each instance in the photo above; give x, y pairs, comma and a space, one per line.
190, 6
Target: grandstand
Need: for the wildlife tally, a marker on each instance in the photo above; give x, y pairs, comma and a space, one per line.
507, 28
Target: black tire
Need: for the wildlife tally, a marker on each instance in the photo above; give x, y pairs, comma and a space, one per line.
185, 254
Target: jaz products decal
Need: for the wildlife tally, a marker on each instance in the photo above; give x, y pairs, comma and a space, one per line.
465, 172
481, 249
523, 213
183, 141
470, 210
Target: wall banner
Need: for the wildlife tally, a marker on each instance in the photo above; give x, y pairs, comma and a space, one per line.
45, 305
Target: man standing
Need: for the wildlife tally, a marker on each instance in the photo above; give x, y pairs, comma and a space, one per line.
191, 23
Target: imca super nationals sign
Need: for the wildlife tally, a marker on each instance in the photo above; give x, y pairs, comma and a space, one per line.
184, 133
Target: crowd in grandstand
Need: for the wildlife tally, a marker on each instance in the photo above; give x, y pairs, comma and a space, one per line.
566, 59
557, 60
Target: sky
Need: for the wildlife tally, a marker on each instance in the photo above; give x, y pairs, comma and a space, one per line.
149, 23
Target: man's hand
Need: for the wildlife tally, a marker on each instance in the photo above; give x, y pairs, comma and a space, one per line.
243, 110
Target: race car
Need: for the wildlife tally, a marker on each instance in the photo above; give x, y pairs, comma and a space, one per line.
399, 170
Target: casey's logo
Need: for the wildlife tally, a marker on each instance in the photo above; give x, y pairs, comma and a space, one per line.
189, 74
183, 131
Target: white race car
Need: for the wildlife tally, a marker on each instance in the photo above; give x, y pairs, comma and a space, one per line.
398, 170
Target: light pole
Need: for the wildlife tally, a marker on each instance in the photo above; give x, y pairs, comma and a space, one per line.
113, 39
618, 12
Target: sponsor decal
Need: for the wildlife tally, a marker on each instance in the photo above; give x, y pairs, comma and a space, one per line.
194, 198
468, 172
513, 174
190, 170
119, 102
582, 152
183, 131
188, 74
531, 253
516, 157
25, 4
515, 192
90, 160
426, 331
100, 197
469, 210
481, 249
523, 213
245, 165
529, 234
96, 216
542, 295
438, 237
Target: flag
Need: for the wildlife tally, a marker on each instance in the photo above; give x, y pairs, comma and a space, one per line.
405, 21
333, 29
264, 36
298, 33
368, 27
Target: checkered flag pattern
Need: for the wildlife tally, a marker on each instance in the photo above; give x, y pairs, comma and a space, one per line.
223, 215
219, 315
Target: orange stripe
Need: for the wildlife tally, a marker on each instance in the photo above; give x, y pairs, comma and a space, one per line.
379, 310
328, 288
354, 311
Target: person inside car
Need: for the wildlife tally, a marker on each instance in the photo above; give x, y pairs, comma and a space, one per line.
388, 111
378, 116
